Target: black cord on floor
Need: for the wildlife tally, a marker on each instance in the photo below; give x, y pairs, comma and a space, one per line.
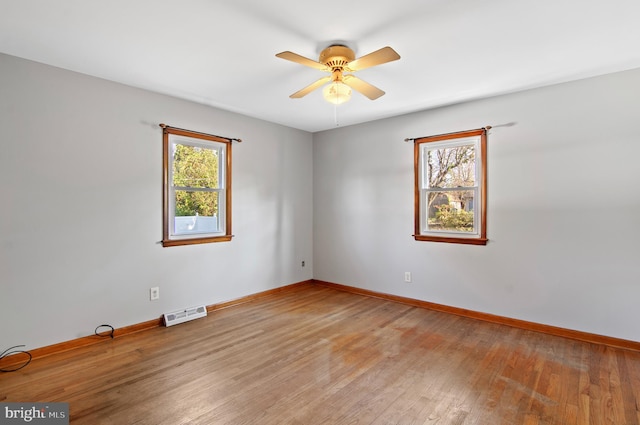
10, 351
105, 333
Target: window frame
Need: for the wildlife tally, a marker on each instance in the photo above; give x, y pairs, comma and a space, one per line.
193, 138
479, 237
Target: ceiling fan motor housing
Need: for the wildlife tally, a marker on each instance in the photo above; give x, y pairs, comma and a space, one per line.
337, 56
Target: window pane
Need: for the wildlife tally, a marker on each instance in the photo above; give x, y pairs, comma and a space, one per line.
451, 211
196, 212
451, 167
195, 166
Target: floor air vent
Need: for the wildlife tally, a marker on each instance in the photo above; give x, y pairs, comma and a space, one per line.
182, 316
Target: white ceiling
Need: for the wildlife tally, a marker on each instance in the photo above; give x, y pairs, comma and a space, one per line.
222, 53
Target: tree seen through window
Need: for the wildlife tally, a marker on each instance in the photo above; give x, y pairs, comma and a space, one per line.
195, 167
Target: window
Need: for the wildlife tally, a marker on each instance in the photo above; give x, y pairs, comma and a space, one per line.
197, 187
450, 188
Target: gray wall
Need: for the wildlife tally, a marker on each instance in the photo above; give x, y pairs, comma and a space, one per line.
81, 194
563, 210
80, 187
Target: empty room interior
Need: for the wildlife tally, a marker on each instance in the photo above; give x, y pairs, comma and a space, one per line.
339, 270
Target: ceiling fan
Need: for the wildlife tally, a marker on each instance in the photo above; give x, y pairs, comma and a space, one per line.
338, 59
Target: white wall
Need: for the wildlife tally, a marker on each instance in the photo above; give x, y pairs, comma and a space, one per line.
81, 199
563, 210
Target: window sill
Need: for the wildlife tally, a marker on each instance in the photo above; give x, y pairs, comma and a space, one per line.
467, 241
194, 241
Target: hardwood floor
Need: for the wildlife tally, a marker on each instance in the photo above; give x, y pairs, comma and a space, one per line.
315, 355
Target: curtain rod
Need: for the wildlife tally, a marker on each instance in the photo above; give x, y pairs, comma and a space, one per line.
231, 139
412, 139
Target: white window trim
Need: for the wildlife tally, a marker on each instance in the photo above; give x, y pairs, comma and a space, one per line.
221, 148
425, 189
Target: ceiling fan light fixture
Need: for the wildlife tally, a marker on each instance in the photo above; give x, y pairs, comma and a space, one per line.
336, 93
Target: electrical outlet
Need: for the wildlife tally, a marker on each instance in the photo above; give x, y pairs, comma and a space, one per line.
302, 263
407, 276
154, 293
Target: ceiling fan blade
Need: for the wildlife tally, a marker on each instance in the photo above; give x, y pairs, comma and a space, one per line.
372, 92
384, 55
311, 87
294, 57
